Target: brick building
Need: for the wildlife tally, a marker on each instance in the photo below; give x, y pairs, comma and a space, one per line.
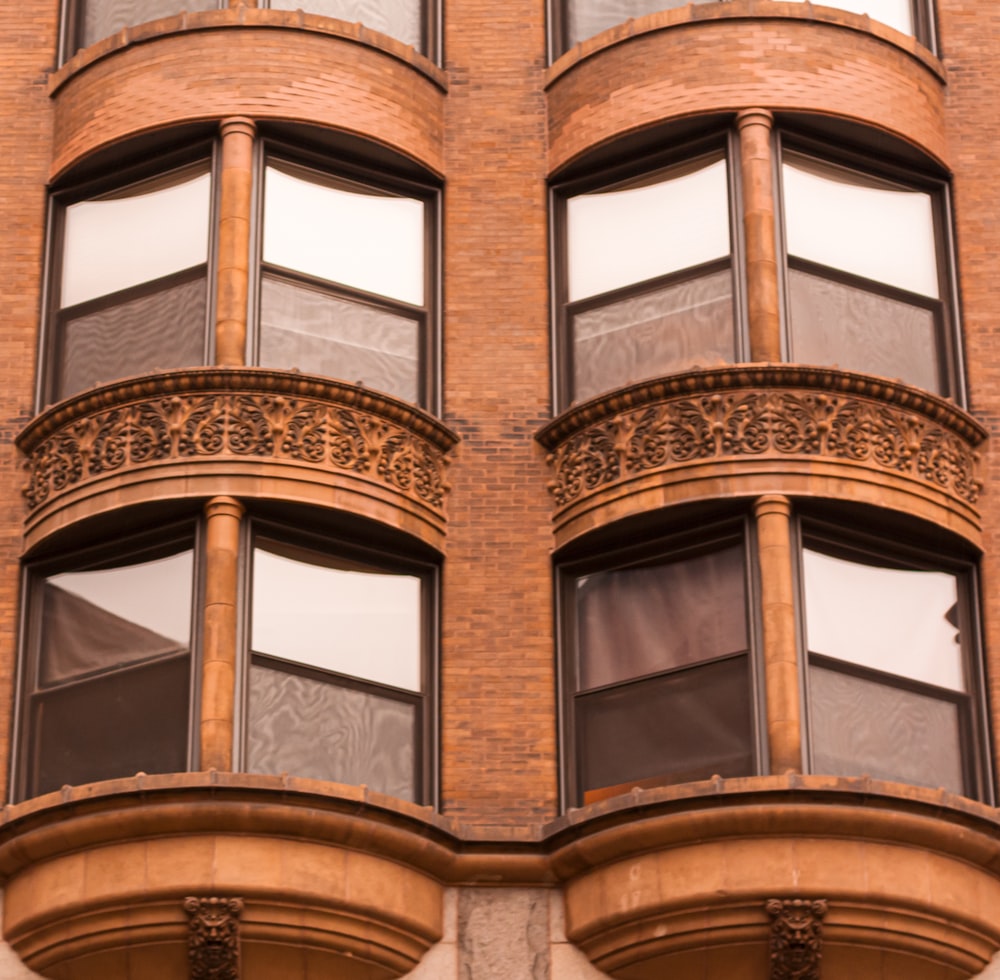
644, 625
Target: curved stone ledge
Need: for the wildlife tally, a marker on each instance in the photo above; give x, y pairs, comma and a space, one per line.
218, 430
768, 428
656, 881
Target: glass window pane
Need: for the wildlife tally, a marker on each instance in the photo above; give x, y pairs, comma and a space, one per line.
664, 222
660, 332
859, 726
113, 725
322, 334
637, 621
102, 18
589, 17
159, 331
397, 18
858, 330
861, 225
102, 618
338, 616
318, 730
901, 621
346, 233
895, 13
685, 726
137, 235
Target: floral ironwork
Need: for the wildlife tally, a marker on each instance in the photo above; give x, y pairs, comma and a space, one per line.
796, 937
650, 433
214, 937
191, 424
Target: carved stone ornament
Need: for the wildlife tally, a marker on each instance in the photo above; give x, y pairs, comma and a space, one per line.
242, 413
774, 411
796, 937
214, 937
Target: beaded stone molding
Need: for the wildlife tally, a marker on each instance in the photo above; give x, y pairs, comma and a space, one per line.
242, 414
775, 413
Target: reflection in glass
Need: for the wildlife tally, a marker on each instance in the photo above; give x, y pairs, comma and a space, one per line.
860, 224
636, 621
898, 620
585, 18
136, 235
102, 18
313, 331
338, 616
659, 332
159, 330
345, 233
859, 727
397, 18
671, 220
895, 13
113, 681
858, 330
319, 730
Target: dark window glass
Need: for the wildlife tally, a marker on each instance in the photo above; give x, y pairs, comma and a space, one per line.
110, 671
889, 687
336, 678
661, 668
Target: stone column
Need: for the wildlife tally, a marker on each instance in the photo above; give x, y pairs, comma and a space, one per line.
218, 686
773, 514
757, 172
235, 205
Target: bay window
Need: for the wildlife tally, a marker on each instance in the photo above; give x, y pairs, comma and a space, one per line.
342, 283
335, 674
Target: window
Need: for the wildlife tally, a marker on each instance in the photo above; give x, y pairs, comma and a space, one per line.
108, 671
409, 21
576, 20
864, 279
650, 278
648, 288
345, 286
890, 667
660, 673
132, 280
336, 674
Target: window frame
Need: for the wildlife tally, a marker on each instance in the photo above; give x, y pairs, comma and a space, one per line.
145, 545
947, 320
54, 316
864, 547
429, 358
679, 545
426, 725
724, 141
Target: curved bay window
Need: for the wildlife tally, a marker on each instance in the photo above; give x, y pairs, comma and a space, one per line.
651, 281
410, 21
659, 668
891, 670
345, 283
576, 20
336, 673
648, 285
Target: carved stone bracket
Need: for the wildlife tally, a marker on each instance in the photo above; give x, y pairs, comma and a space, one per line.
214, 937
242, 413
773, 411
796, 937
